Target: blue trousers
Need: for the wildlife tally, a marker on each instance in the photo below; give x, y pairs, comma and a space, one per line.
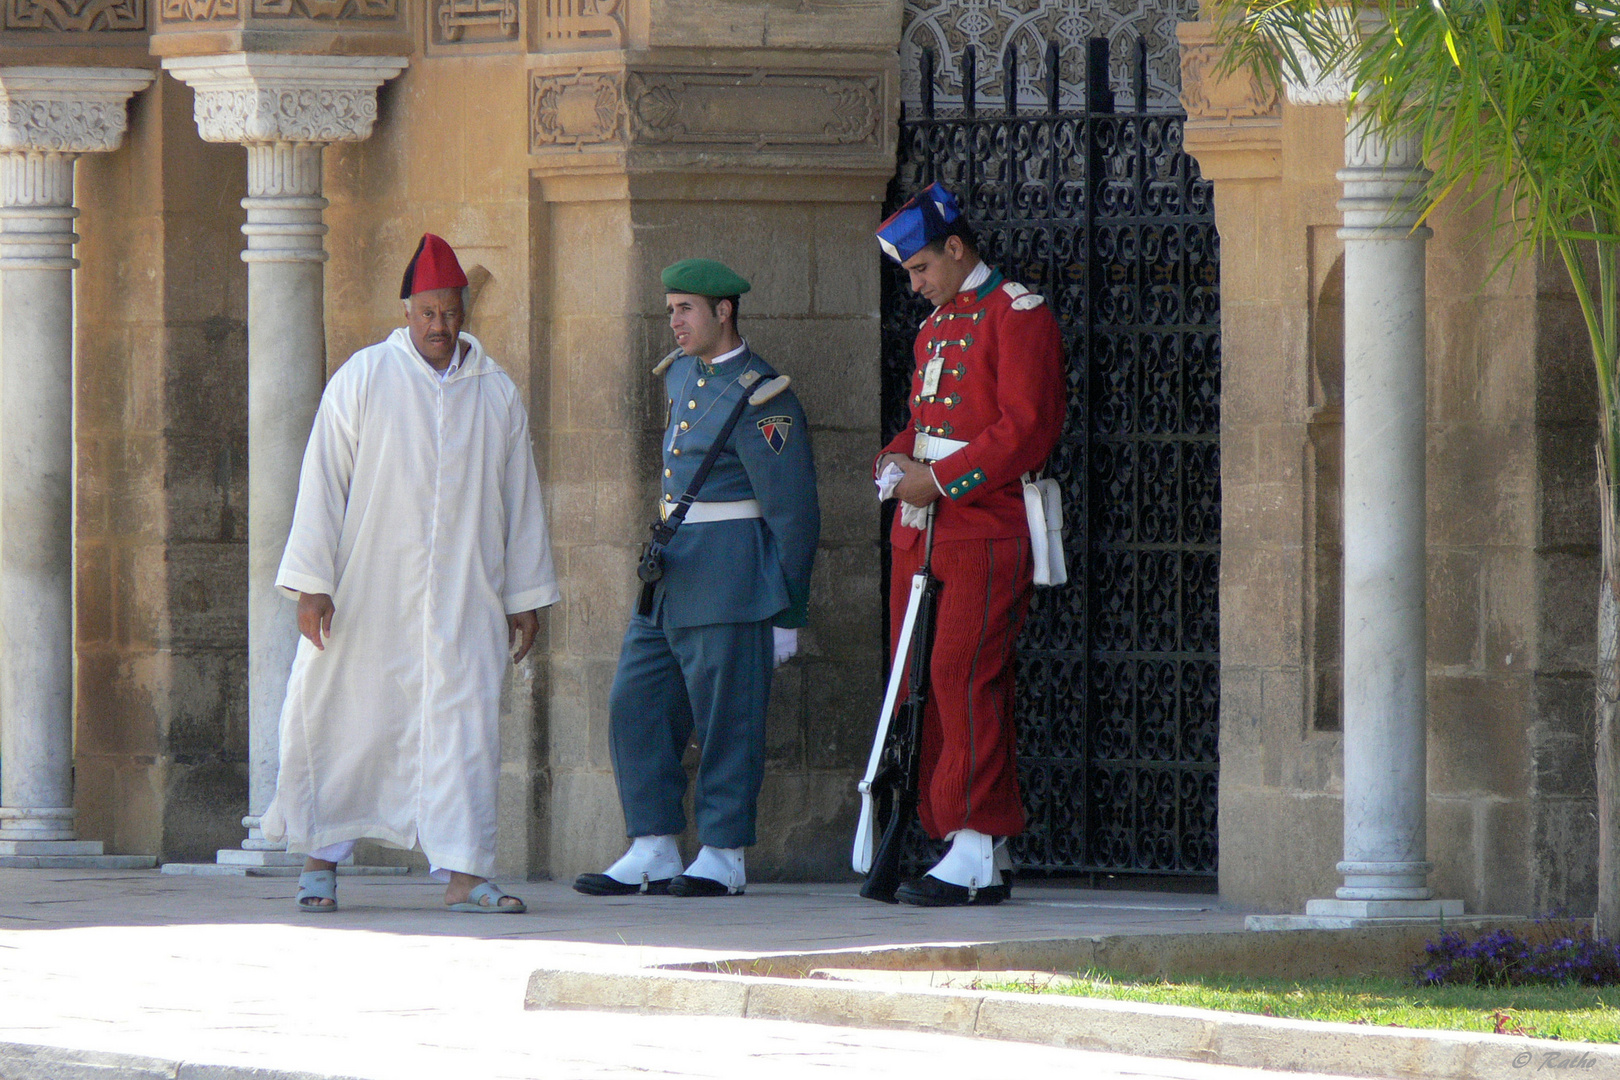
713, 682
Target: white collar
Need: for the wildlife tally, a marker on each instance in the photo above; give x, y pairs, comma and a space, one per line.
456, 361
463, 350
732, 355
976, 277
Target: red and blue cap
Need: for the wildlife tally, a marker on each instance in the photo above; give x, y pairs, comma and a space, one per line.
434, 266
924, 218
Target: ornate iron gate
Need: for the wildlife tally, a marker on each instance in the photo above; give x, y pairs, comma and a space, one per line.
1119, 671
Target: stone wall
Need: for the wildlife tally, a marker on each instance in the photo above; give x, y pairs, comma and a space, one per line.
1511, 539
1513, 573
160, 384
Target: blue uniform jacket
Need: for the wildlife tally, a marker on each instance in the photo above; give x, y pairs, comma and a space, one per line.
744, 570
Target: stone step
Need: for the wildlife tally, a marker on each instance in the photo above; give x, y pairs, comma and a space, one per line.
240, 857
50, 847
77, 862
214, 869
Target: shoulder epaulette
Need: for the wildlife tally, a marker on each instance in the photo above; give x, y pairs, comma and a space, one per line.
663, 365
1022, 298
769, 390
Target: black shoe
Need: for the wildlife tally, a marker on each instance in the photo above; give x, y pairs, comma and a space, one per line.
931, 892
687, 885
602, 885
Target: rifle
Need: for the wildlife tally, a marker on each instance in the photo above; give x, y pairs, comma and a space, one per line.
889, 789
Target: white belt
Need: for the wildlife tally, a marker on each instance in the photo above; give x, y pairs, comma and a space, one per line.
700, 512
931, 448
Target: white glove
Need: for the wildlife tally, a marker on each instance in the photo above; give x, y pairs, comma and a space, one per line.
888, 480
786, 644
915, 517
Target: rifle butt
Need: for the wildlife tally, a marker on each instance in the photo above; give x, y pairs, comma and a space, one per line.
884, 877
861, 857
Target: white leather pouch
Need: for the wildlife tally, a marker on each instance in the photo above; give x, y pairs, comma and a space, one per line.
1052, 505
1043, 506
1035, 511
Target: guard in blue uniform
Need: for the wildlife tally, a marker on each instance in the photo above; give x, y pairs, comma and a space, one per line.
727, 608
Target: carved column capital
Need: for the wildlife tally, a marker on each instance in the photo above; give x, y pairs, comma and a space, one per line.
48, 116
66, 110
1234, 119
267, 98
1384, 181
1332, 86
1320, 87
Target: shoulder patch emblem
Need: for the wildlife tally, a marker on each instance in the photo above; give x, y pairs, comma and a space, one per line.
1014, 290
1032, 300
775, 429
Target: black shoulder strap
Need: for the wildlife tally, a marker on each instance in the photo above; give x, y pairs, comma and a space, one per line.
677, 515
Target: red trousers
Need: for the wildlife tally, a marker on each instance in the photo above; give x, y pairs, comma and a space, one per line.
969, 764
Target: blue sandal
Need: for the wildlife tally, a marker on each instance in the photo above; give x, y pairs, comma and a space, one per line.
317, 885
488, 890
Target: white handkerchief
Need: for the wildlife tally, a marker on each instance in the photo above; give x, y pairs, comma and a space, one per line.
888, 480
914, 517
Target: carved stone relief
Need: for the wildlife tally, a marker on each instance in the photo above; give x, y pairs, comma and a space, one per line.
581, 24
584, 108
755, 108
266, 115
1320, 87
194, 11
61, 126
992, 26
1208, 95
1365, 147
73, 15
79, 113
475, 21
198, 10
254, 99
326, 9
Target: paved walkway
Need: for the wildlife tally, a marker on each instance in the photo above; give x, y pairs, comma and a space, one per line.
225, 971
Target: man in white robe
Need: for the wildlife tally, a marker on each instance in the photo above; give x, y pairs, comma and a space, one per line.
419, 556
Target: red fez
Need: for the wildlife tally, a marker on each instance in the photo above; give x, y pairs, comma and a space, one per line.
434, 266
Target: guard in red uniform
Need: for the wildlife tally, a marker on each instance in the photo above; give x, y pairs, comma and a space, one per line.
987, 406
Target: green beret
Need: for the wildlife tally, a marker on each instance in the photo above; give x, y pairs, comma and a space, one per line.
704, 277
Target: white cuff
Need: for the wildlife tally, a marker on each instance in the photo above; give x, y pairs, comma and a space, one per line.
785, 644
937, 484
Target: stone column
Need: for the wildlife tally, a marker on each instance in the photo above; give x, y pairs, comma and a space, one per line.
1385, 716
48, 116
1385, 865
284, 109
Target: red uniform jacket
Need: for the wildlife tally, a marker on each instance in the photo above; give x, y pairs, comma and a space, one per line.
1002, 391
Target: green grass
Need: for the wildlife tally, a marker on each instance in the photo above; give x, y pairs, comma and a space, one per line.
1587, 1014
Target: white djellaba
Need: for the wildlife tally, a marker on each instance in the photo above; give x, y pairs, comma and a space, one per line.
419, 512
